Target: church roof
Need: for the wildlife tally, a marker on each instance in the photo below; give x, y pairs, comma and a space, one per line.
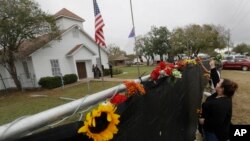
68, 14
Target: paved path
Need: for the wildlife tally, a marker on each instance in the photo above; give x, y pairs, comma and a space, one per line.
107, 79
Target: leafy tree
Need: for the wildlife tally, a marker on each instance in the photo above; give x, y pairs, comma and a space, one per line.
195, 38
21, 20
160, 40
242, 48
114, 51
144, 47
178, 42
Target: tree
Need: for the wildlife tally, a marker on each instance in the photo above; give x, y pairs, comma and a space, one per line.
178, 41
160, 40
21, 20
195, 38
242, 48
144, 47
114, 51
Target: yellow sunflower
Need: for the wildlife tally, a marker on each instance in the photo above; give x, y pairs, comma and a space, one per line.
100, 124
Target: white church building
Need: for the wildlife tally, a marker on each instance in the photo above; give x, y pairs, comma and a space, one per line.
76, 52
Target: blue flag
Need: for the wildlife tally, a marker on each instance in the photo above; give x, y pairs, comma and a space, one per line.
132, 33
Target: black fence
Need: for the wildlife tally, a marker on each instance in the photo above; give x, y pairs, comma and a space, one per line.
167, 112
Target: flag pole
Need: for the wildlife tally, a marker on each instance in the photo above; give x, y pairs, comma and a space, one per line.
99, 35
137, 55
100, 58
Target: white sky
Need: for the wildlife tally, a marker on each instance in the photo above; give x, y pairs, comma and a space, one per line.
232, 14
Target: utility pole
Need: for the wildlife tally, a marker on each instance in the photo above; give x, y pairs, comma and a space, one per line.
228, 41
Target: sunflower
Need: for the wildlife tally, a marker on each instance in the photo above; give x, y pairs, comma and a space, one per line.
100, 124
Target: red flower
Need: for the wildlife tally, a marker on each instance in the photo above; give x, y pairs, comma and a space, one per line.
168, 71
155, 73
162, 65
118, 98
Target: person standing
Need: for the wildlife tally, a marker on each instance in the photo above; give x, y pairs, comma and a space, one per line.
212, 82
217, 109
94, 70
97, 72
110, 70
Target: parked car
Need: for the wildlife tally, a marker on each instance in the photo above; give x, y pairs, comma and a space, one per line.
233, 57
243, 64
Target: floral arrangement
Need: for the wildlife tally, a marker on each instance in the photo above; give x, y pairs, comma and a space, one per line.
168, 68
133, 88
101, 123
190, 61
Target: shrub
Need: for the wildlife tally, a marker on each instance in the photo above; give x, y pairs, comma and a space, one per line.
106, 72
50, 82
69, 78
117, 71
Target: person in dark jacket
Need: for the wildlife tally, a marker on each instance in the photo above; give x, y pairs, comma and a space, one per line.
217, 109
110, 70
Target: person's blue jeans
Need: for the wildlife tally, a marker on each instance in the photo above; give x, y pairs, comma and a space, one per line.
209, 136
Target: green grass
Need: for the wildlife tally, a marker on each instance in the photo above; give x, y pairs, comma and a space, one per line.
132, 72
20, 104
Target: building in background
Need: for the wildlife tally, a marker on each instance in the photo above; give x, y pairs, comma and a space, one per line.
76, 52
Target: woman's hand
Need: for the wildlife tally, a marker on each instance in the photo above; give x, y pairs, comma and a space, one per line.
201, 121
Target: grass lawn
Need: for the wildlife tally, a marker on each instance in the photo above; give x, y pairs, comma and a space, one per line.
19, 104
132, 72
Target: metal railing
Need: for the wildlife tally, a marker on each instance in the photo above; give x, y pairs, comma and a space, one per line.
29, 124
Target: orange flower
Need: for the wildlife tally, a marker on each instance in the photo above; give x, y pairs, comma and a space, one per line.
140, 88
133, 88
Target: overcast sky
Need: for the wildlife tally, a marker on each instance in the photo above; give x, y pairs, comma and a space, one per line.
232, 14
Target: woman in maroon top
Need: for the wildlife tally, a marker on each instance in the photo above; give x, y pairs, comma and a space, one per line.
217, 109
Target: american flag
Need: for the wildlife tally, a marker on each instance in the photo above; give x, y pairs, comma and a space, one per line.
99, 24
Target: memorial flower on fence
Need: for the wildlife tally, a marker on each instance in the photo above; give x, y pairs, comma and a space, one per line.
190, 61
118, 98
155, 73
133, 88
101, 123
176, 73
168, 68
